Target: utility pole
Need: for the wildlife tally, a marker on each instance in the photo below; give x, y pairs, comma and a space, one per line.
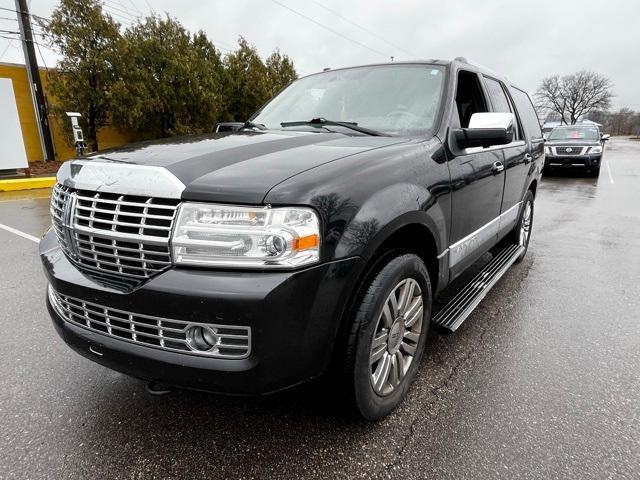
37, 94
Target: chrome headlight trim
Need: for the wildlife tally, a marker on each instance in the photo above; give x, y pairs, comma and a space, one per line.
245, 237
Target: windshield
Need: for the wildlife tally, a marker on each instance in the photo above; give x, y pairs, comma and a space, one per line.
392, 99
581, 133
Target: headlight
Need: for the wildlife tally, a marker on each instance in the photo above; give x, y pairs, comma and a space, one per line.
249, 237
547, 150
596, 149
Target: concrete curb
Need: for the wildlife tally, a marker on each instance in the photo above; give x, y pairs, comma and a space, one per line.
26, 183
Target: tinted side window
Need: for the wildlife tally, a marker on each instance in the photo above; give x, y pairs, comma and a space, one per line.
497, 96
469, 97
526, 112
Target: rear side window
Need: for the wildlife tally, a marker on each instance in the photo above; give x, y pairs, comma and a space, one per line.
527, 113
497, 96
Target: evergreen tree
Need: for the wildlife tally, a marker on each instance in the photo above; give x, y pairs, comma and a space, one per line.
89, 43
171, 83
280, 72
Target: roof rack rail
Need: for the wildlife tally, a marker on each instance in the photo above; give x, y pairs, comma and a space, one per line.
461, 59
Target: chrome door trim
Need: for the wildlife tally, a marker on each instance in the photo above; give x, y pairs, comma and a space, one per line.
123, 178
510, 215
444, 252
464, 247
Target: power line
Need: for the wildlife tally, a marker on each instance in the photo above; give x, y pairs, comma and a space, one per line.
330, 29
127, 8
41, 56
363, 28
12, 10
222, 45
127, 22
9, 45
110, 5
135, 6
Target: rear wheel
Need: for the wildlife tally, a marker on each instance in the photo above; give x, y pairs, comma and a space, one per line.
387, 337
521, 235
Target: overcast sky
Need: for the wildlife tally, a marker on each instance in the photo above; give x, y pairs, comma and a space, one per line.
523, 40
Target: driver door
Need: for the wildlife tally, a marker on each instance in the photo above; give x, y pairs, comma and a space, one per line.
477, 181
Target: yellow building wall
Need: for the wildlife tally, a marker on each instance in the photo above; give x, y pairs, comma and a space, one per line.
108, 137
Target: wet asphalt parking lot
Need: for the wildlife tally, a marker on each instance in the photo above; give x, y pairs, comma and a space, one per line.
542, 381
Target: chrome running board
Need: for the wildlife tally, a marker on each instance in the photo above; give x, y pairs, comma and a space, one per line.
456, 311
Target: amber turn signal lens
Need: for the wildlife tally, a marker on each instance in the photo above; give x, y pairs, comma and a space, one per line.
302, 243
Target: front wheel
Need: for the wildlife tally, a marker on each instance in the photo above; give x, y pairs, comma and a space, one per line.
595, 172
387, 337
521, 235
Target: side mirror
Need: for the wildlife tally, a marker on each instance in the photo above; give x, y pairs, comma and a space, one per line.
486, 129
605, 137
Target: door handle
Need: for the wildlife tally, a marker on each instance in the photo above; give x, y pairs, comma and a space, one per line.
528, 158
497, 167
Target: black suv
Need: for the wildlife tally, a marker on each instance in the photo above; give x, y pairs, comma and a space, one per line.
575, 147
318, 234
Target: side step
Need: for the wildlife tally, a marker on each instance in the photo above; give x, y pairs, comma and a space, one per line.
451, 316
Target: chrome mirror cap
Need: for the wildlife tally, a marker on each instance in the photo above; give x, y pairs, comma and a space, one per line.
492, 120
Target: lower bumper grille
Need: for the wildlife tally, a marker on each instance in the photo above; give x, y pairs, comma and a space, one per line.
205, 339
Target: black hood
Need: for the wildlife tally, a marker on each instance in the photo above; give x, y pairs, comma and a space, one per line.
242, 167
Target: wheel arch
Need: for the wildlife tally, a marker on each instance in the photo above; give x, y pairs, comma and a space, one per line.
406, 235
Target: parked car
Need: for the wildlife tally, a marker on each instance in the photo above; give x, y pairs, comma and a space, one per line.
575, 147
317, 235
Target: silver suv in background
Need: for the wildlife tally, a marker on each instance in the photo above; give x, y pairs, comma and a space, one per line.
578, 147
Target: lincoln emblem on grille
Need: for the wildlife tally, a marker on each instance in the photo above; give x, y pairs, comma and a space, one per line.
67, 222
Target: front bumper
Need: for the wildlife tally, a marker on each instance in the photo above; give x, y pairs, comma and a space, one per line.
573, 161
293, 316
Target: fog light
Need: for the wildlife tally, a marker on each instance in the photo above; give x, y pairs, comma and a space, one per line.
201, 338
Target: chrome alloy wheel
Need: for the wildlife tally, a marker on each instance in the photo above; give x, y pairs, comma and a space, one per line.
525, 226
396, 336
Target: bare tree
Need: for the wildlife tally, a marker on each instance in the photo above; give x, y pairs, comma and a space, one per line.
574, 96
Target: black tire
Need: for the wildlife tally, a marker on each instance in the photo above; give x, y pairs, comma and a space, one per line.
515, 235
357, 368
595, 172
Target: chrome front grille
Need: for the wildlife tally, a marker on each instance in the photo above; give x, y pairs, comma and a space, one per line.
569, 150
58, 207
224, 341
121, 235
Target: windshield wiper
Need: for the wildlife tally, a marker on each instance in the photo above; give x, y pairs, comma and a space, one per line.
321, 122
250, 124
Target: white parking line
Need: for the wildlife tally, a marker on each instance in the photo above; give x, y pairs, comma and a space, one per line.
606, 163
19, 233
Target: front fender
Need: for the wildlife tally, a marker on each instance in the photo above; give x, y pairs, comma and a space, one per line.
365, 198
387, 211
